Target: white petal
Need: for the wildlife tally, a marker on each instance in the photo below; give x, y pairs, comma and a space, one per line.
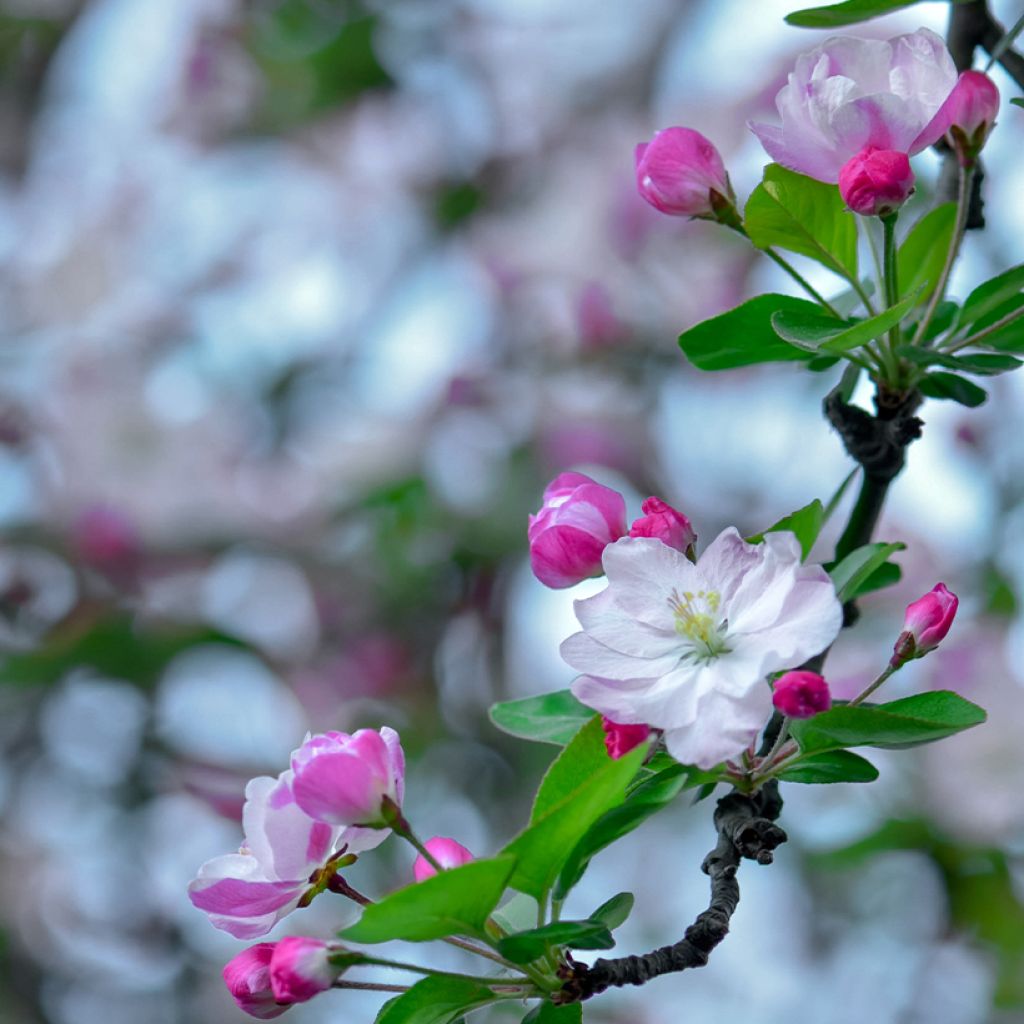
724, 728
664, 702
764, 588
725, 561
607, 623
585, 654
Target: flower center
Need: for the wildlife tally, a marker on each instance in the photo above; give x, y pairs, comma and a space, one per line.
696, 617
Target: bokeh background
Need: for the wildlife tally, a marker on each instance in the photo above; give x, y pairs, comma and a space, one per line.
302, 303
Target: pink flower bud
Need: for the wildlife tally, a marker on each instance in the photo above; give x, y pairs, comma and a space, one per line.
680, 172
345, 780
247, 977
447, 852
578, 520
661, 521
970, 111
300, 968
925, 624
621, 739
800, 694
876, 182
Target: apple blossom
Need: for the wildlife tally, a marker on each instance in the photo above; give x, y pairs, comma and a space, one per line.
447, 852
578, 519
247, 977
662, 521
925, 625
969, 114
686, 647
680, 172
619, 740
849, 93
801, 694
876, 182
300, 968
348, 780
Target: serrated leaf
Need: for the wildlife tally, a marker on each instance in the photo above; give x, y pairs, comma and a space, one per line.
826, 334
453, 902
857, 567
439, 999
525, 947
848, 13
805, 522
908, 722
614, 912
950, 386
743, 336
922, 255
981, 363
831, 766
988, 297
550, 718
804, 216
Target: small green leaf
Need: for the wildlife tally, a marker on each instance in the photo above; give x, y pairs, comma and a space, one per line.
613, 912
1009, 337
826, 334
848, 13
548, 1013
833, 502
908, 722
831, 766
949, 385
453, 902
550, 718
805, 522
886, 575
984, 364
743, 336
858, 566
805, 216
525, 947
439, 999
1018, 101
988, 297
922, 255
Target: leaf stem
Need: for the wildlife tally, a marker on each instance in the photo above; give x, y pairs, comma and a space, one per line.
867, 691
891, 283
802, 281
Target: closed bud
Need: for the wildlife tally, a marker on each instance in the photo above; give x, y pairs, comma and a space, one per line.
876, 182
619, 739
662, 521
447, 852
247, 977
301, 968
970, 110
801, 694
925, 625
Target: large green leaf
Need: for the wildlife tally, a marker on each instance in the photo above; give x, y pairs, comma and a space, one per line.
542, 849
744, 335
858, 566
805, 216
585, 754
1008, 338
525, 947
453, 902
831, 766
922, 255
805, 522
952, 387
908, 722
985, 364
826, 334
550, 718
439, 999
848, 13
988, 297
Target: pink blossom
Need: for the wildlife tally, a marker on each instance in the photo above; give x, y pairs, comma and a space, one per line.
969, 114
680, 172
848, 94
300, 968
105, 535
876, 182
578, 520
621, 739
248, 892
661, 521
345, 780
800, 694
447, 852
247, 977
925, 625
599, 327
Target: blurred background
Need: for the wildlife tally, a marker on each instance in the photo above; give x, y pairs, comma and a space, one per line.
303, 302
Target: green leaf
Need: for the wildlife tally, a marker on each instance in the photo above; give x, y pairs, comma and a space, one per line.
1010, 337
647, 799
984, 364
831, 766
922, 255
848, 13
525, 947
857, 567
988, 297
439, 999
805, 216
886, 575
908, 722
949, 385
517, 915
453, 902
585, 754
805, 522
614, 912
544, 846
826, 334
550, 718
548, 1013
1018, 101
744, 335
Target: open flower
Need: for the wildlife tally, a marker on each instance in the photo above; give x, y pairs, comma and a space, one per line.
686, 647
848, 94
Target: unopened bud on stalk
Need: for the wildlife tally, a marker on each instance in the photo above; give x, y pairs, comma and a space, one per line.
925, 625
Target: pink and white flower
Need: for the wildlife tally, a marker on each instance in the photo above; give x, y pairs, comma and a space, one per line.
680, 172
447, 852
686, 647
300, 968
848, 94
247, 977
